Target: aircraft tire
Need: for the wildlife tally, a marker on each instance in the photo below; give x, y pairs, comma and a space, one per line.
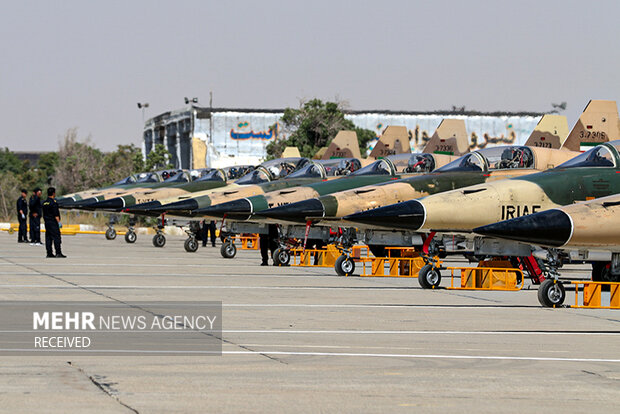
130, 237
551, 293
345, 266
429, 277
191, 245
601, 272
228, 250
110, 234
159, 240
281, 257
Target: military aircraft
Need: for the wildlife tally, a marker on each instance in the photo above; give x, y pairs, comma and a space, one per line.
592, 174
450, 137
482, 166
588, 231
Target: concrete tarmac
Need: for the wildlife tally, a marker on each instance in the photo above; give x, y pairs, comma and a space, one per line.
306, 340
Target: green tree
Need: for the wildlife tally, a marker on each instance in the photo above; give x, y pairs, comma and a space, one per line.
123, 162
158, 159
312, 126
10, 162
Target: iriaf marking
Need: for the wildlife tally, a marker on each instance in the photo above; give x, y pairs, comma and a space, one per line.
511, 211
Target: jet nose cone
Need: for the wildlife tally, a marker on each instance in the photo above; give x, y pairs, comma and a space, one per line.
87, 202
296, 211
188, 204
408, 214
65, 201
111, 204
234, 208
550, 228
144, 207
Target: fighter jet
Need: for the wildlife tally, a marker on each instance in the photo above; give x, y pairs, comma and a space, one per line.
450, 137
588, 231
332, 166
456, 213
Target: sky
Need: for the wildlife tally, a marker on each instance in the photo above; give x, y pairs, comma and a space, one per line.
86, 64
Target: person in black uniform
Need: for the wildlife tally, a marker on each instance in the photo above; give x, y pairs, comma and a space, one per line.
22, 213
34, 206
268, 243
51, 217
211, 227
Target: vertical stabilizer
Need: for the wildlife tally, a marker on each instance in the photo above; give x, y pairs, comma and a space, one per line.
344, 145
450, 138
598, 123
550, 132
395, 140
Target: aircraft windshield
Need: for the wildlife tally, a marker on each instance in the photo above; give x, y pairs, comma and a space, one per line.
127, 180
237, 171
175, 176
469, 162
420, 163
598, 156
254, 177
340, 166
508, 157
149, 177
380, 167
309, 171
400, 161
212, 175
282, 167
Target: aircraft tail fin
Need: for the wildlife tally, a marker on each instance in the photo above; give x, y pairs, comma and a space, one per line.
290, 152
395, 140
550, 132
450, 138
344, 145
598, 123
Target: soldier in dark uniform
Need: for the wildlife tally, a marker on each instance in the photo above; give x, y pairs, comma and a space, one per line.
35, 216
51, 217
268, 243
22, 213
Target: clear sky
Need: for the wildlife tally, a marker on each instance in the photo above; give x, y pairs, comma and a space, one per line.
86, 64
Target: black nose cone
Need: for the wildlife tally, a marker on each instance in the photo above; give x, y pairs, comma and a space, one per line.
115, 204
188, 204
145, 208
406, 215
238, 209
548, 228
296, 211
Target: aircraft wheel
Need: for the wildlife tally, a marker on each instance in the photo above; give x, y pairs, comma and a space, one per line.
429, 277
281, 257
130, 237
191, 245
110, 234
551, 293
345, 266
228, 250
159, 240
601, 272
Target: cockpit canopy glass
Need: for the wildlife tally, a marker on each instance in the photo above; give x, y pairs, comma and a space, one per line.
148, 177
237, 171
379, 167
281, 167
309, 171
340, 166
468, 162
420, 163
508, 157
211, 174
127, 180
175, 176
257, 176
599, 156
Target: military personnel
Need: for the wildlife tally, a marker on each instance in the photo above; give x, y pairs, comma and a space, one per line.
51, 217
22, 213
34, 205
208, 229
268, 243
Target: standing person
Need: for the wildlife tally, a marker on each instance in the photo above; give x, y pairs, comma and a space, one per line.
268, 243
22, 213
212, 229
51, 217
34, 206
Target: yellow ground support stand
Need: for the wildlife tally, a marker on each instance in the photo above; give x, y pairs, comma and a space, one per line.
67, 230
486, 278
249, 242
315, 257
592, 298
391, 266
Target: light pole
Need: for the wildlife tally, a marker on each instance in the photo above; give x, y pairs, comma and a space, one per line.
193, 100
143, 106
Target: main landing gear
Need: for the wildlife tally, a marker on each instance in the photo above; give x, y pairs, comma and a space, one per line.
130, 236
551, 292
159, 240
110, 233
191, 244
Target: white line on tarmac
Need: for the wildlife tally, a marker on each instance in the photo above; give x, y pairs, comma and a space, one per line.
208, 287
334, 354
398, 332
